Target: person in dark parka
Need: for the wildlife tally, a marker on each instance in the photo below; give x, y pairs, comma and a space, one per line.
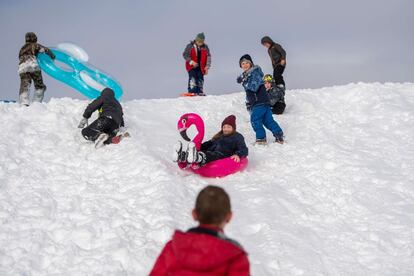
226, 143
110, 119
278, 56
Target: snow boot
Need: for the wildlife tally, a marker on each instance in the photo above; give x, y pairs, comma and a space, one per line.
279, 139
100, 141
24, 98
38, 95
179, 155
194, 156
261, 142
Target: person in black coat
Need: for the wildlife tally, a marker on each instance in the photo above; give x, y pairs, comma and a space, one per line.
110, 119
278, 56
226, 143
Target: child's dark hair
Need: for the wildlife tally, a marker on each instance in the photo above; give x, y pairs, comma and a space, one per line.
212, 205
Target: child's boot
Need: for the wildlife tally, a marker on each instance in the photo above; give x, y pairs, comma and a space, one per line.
194, 156
24, 98
279, 138
261, 141
38, 95
179, 155
100, 141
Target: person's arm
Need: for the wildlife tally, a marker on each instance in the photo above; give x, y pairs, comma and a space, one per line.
43, 49
208, 64
161, 267
92, 107
186, 53
242, 150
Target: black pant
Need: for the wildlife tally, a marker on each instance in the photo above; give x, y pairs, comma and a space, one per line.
213, 156
277, 74
278, 108
101, 125
195, 81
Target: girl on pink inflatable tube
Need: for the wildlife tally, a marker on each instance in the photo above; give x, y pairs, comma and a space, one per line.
224, 154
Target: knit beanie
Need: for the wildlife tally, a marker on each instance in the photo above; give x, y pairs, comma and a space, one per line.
229, 120
247, 58
200, 37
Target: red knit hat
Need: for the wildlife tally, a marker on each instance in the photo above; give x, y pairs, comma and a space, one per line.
229, 120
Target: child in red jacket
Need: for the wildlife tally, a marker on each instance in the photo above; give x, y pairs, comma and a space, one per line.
197, 62
204, 250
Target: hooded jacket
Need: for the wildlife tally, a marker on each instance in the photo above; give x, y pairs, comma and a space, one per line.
275, 51
198, 252
29, 52
254, 86
107, 105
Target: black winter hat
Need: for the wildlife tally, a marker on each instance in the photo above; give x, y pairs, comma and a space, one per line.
267, 39
246, 57
31, 37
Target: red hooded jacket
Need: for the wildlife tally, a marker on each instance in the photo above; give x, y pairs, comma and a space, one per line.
198, 252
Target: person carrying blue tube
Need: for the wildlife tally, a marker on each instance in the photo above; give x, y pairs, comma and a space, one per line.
29, 69
258, 102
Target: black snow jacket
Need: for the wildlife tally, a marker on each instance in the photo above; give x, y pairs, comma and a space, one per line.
107, 105
227, 145
276, 95
276, 51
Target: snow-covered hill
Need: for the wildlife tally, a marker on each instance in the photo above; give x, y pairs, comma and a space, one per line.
336, 199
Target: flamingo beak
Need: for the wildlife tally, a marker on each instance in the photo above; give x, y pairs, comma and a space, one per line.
183, 134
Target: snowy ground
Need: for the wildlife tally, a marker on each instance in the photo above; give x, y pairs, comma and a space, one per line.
336, 199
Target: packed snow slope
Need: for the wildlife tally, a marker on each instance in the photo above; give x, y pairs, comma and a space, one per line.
336, 199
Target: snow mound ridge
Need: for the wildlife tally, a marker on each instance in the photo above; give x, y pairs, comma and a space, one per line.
336, 199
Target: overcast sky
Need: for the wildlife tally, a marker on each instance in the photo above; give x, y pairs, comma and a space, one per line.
140, 42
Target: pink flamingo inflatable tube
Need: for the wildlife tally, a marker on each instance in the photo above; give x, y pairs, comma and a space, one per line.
218, 168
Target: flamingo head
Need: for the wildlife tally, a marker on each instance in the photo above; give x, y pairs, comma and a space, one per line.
186, 121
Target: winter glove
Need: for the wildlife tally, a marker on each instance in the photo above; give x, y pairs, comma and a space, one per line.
240, 79
83, 123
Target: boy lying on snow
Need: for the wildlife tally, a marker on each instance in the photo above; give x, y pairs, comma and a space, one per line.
110, 119
205, 249
226, 143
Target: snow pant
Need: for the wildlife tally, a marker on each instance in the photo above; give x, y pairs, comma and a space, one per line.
277, 74
101, 125
26, 81
195, 81
212, 156
262, 116
278, 108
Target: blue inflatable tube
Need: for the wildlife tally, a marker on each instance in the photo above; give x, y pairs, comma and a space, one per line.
76, 75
